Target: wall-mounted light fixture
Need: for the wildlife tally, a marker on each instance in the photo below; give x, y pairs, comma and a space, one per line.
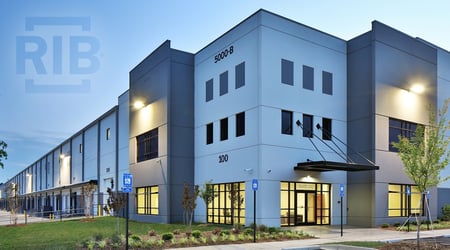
138, 104
248, 170
417, 88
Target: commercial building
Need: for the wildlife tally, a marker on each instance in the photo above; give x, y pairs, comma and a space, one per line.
307, 115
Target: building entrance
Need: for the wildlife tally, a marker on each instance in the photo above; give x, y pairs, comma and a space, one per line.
305, 208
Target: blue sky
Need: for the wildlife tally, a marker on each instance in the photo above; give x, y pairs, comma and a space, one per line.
119, 34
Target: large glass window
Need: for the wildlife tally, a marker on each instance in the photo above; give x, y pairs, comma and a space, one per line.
287, 72
307, 125
403, 200
224, 83
304, 203
147, 145
326, 129
147, 200
308, 77
398, 127
228, 206
224, 129
240, 124
209, 90
240, 75
286, 122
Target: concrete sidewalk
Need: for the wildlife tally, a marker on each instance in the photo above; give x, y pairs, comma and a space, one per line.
331, 234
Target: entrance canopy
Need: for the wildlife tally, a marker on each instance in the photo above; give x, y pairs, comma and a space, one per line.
322, 166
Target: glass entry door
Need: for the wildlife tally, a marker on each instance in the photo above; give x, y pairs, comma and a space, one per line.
305, 208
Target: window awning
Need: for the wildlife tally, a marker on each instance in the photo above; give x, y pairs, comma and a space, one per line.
322, 166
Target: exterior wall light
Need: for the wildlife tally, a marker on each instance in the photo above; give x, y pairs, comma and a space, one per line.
417, 88
138, 104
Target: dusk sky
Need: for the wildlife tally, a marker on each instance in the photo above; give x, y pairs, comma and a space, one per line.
64, 63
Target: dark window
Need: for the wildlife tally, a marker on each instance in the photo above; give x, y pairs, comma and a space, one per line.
240, 124
308, 77
224, 83
287, 72
326, 129
209, 133
147, 145
327, 83
402, 128
81, 148
240, 75
224, 129
286, 122
108, 133
307, 125
209, 90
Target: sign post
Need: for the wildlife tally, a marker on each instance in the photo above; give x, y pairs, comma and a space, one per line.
255, 188
341, 193
127, 188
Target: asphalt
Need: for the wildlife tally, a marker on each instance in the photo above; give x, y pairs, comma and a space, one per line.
325, 237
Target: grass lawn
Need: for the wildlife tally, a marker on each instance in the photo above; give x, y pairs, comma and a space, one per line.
67, 234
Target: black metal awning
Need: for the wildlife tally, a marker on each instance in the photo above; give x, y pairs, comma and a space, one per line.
321, 166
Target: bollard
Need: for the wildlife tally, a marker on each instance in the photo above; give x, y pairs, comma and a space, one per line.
25, 215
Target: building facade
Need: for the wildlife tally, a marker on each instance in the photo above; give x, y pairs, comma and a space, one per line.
306, 115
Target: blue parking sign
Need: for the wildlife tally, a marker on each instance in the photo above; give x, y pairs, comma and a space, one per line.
127, 183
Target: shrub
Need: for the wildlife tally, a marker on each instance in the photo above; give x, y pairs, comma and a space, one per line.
224, 232
235, 230
262, 228
151, 233
136, 237
446, 212
248, 231
176, 231
167, 236
384, 225
196, 234
397, 224
217, 231
272, 230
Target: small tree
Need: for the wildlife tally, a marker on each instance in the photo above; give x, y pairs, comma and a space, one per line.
208, 195
12, 193
116, 200
88, 198
189, 203
426, 154
3, 153
237, 200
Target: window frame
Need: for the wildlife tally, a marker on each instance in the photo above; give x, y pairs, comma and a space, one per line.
149, 195
308, 127
223, 83
209, 133
287, 72
209, 90
327, 83
327, 129
308, 77
404, 128
224, 129
239, 76
287, 122
240, 124
149, 141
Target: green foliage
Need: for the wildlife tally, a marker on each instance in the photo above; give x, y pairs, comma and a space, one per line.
446, 212
262, 228
426, 154
384, 225
3, 153
196, 234
248, 231
167, 236
189, 203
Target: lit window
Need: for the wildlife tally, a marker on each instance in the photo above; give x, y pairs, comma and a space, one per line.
147, 200
228, 206
147, 145
403, 200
